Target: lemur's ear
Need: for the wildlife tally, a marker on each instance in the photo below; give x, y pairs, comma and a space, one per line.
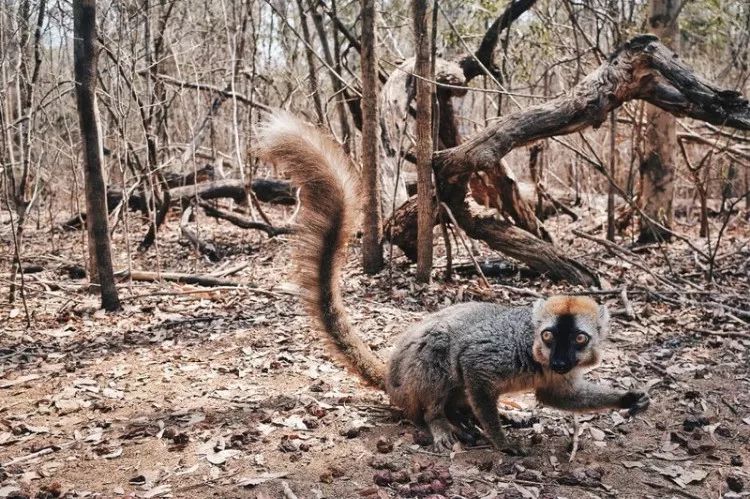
603, 321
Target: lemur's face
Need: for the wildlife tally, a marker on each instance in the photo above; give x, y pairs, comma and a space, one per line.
567, 330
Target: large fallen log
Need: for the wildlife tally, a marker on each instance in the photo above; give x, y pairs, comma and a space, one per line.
267, 190
202, 174
272, 191
275, 191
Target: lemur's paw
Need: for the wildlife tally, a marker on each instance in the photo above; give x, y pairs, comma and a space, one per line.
635, 402
443, 441
442, 434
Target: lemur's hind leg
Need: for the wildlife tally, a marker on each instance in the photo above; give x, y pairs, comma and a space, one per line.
440, 428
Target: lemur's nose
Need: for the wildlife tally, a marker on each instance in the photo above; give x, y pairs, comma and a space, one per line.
560, 366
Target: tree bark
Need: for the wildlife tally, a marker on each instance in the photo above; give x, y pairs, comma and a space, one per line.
424, 74
85, 55
657, 170
372, 246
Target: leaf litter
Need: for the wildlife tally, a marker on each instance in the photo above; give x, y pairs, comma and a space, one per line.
226, 393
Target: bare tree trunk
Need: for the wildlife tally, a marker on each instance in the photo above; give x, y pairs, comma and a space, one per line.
85, 55
657, 168
335, 65
424, 72
372, 246
312, 75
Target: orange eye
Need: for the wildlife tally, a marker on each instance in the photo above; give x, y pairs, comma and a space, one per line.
582, 339
547, 336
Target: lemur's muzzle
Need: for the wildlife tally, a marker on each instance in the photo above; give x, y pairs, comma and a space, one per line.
561, 366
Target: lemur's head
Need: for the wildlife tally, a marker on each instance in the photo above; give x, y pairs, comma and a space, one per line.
567, 331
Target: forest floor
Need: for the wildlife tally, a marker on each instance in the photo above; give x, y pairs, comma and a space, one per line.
197, 392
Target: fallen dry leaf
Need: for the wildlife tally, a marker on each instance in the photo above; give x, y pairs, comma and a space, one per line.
252, 481
221, 457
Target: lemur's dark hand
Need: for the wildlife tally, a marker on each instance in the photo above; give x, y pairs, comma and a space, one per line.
635, 402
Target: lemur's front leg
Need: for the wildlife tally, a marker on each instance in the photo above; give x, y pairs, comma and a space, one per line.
482, 397
579, 395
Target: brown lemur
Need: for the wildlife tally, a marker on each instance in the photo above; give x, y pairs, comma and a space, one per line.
450, 368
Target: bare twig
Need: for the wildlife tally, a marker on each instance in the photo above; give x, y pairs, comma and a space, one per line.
466, 246
576, 437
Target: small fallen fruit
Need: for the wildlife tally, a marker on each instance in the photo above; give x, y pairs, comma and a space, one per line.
383, 478
384, 446
735, 483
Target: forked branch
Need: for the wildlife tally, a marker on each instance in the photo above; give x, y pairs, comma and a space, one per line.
642, 68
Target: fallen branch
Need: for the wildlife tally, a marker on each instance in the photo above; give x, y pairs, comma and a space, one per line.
201, 280
231, 270
726, 334
576, 438
39, 453
227, 188
242, 221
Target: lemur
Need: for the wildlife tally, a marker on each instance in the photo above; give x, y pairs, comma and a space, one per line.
452, 366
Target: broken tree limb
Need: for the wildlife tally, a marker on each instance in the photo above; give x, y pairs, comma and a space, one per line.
275, 191
642, 68
268, 190
505, 237
483, 59
202, 174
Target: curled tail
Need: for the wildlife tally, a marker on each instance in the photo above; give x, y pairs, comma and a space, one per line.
329, 196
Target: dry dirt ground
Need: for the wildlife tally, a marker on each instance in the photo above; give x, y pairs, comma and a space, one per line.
197, 392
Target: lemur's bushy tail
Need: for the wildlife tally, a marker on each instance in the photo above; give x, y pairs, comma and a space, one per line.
329, 196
